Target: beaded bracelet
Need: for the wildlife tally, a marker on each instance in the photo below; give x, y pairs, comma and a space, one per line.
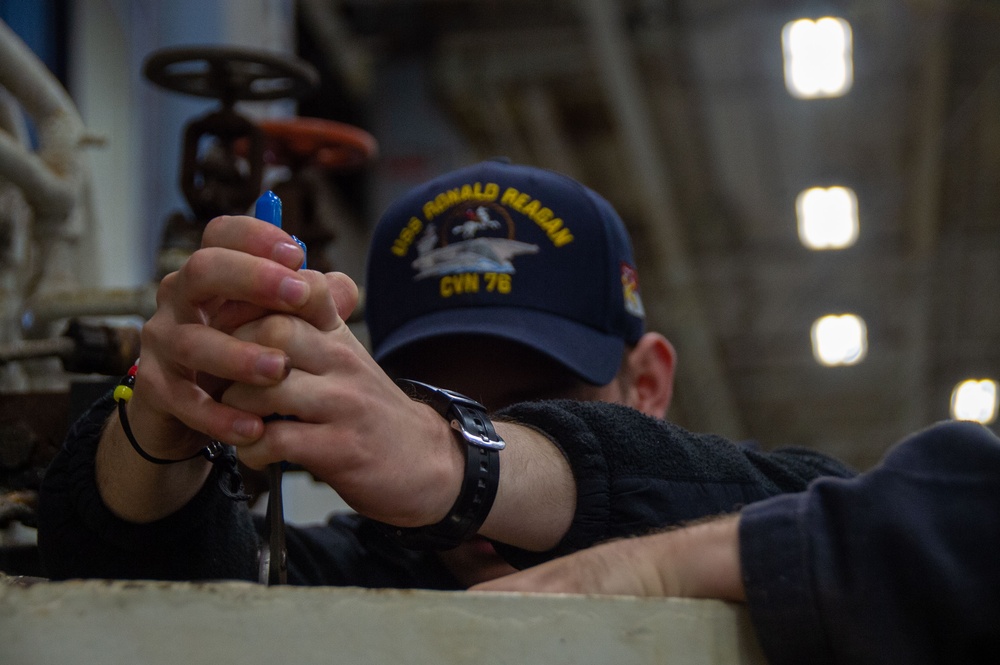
122, 395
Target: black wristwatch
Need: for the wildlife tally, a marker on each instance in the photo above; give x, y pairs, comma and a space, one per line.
482, 470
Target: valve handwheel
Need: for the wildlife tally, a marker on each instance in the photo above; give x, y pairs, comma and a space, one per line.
324, 143
231, 74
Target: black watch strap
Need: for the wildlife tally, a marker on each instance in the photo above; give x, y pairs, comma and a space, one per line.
482, 470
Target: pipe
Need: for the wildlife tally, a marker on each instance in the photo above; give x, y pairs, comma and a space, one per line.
50, 178
49, 307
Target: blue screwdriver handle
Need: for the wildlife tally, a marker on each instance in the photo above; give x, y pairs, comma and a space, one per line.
268, 209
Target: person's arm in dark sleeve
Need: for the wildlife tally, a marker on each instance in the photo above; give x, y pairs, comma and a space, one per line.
351, 550
898, 565
212, 537
792, 469
635, 474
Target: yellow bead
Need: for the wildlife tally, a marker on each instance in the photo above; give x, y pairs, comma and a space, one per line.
123, 393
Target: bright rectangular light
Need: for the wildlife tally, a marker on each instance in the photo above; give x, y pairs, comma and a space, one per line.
839, 339
975, 400
827, 218
818, 57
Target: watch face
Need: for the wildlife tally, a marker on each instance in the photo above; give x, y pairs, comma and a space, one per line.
454, 395
467, 416
456, 398
439, 398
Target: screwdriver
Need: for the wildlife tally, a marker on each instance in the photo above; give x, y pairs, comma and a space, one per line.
272, 562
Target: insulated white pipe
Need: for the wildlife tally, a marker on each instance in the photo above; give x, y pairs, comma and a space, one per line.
50, 178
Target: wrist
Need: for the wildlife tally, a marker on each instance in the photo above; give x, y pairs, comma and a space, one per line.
702, 560
442, 495
158, 436
134, 489
480, 446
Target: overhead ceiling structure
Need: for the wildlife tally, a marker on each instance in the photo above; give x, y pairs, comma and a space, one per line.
677, 111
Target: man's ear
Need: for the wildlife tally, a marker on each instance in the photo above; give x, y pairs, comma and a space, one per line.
651, 365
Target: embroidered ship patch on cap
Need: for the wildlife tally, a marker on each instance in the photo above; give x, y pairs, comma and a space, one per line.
471, 239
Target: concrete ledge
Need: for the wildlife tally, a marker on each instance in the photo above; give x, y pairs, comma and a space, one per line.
158, 622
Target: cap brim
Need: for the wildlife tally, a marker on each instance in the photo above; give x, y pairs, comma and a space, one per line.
594, 356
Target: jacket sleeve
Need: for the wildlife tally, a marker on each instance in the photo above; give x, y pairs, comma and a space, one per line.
897, 565
350, 550
635, 474
212, 537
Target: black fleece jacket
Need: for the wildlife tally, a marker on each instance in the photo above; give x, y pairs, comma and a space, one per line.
633, 474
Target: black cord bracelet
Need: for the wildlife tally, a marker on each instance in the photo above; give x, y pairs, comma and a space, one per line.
123, 393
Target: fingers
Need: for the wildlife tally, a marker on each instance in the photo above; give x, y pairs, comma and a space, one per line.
166, 398
218, 274
319, 310
245, 270
182, 358
330, 300
254, 237
184, 346
209, 351
200, 413
391, 458
351, 425
301, 396
241, 260
344, 292
268, 449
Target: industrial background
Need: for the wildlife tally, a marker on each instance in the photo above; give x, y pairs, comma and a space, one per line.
676, 110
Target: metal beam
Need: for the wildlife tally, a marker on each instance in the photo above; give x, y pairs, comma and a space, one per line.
338, 45
546, 135
924, 211
710, 404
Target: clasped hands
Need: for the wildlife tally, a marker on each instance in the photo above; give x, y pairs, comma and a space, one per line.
240, 333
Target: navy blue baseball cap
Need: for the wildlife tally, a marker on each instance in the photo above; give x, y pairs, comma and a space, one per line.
509, 251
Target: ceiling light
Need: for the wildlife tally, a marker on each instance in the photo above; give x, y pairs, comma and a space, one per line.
818, 57
975, 400
827, 218
839, 339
